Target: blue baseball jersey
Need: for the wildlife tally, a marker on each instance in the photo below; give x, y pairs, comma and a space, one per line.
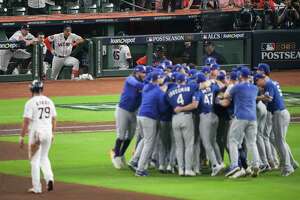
206, 98
166, 109
272, 88
181, 95
131, 96
151, 98
244, 98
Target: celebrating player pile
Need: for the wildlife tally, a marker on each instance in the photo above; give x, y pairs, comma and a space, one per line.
186, 117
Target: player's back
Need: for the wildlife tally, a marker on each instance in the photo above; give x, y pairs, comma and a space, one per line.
181, 95
40, 109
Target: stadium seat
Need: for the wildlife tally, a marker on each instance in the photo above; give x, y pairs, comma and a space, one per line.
90, 9
72, 9
54, 10
3, 11
107, 7
19, 11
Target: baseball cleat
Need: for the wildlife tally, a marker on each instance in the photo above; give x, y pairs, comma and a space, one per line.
190, 173
216, 170
264, 168
180, 172
32, 191
232, 170
141, 173
162, 169
170, 169
295, 164
255, 171
50, 186
248, 171
287, 173
123, 161
117, 163
241, 173
133, 166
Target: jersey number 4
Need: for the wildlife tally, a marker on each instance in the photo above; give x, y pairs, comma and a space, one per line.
180, 100
44, 112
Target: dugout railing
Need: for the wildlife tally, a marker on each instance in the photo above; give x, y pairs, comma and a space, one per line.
226, 42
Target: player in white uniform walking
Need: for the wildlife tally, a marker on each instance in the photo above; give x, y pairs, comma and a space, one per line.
39, 123
21, 35
121, 55
63, 46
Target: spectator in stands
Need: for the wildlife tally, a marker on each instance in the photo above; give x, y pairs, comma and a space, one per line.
247, 18
231, 3
210, 4
209, 48
166, 3
269, 15
288, 16
37, 7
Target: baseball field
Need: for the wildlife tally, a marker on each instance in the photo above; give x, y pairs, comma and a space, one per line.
85, 135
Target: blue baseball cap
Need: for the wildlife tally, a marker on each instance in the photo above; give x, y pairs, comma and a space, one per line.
173, 76
156, 75
140, 68
215, 66
149, 69
210, 61
221, 76
192, 72
180, 77
161, 66
205, 70
233, 75
264, 67
178, 67
258, 76
200, 77
168, 63
245, 72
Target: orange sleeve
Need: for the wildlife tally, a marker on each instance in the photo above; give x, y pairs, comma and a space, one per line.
48, 44
142, 61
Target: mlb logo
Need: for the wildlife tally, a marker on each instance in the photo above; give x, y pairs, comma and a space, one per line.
268, 46
149, 39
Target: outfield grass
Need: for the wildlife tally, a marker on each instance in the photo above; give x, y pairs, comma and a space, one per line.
84, 159
11, 110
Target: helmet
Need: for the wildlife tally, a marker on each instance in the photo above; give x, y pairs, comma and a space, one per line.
168, 63
36, 86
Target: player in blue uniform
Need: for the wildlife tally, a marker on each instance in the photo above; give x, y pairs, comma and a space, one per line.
209, 122
244, 124
148, 116
125, 115
280, 119
182, 99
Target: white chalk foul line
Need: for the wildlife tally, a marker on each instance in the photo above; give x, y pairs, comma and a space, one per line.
65, 127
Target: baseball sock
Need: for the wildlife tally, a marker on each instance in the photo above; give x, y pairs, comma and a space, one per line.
243, 158
125, 147
117, 148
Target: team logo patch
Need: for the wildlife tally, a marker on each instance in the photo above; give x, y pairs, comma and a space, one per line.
110, 106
